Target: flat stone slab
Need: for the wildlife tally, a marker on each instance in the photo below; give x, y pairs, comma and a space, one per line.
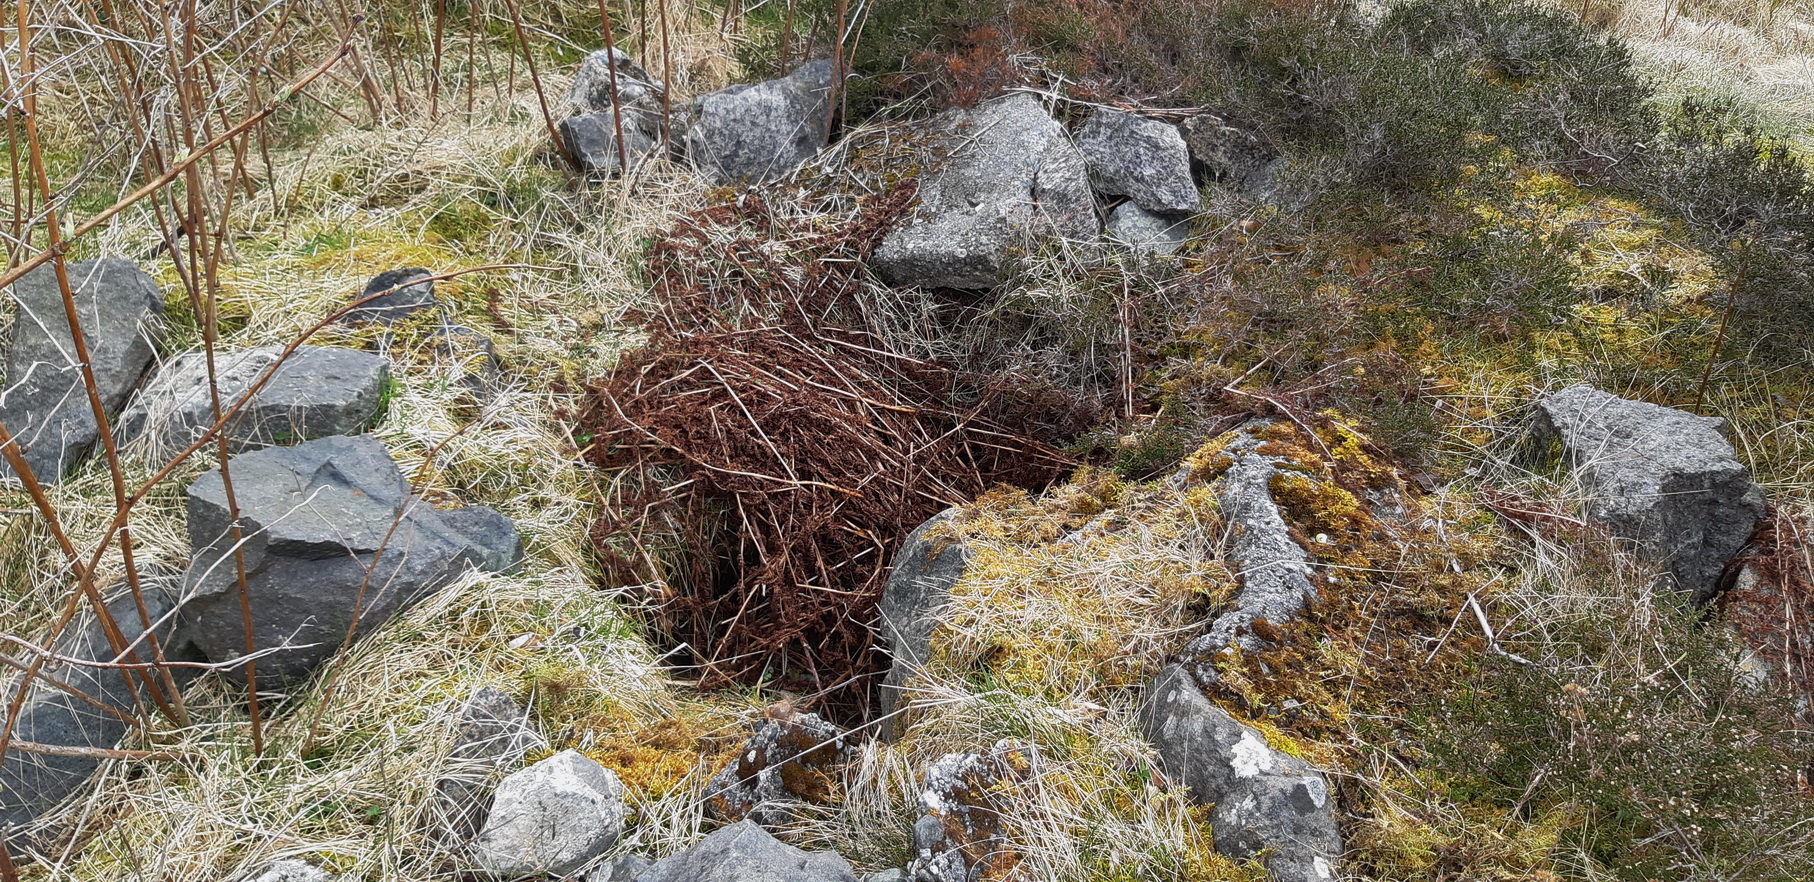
318, 391
1664, 478
1000, 176
333, 543
394, 296
1146, 232
760, 132
45, 404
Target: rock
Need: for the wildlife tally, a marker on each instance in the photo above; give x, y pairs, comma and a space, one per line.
1222, 152
314, 517
492, 733
760, 132
623, 869
965, 799
919, 587
591, 141
552, 817
32, 784
1268, 805
791, 758
889, 875
404, 300
294, 871
491, 538
45, 405
1147, 232
1663, 478
318, 391
1273, 568
1002, 175
1140, 158
638, 93
744, 852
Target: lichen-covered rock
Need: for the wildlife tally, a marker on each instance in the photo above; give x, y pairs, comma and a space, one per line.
790, 759
1145, 231
759, 132
1268, 805
638, 93
552, 817
33, 783
1001, 175
965, 799
919, 587
45, 404
332, 541
294, 871
318, 391
621, 869
1664, 478
1274, 570
492, 733
393, 296
1140, 158
744, 852
1223, 152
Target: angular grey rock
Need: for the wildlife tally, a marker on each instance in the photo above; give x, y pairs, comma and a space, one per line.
1273, 568
406, 296
318, 391
1002, 175
1145, 231
966, 803
591, 141
638, 93
744, 852
888, 875
1663, 478
34, 783
791, 758
492, 733
491, 538
919, 587
552, 817
1266, 802
1222, 152
1141, 158
759, 132
314, 518
294, 871
45, 405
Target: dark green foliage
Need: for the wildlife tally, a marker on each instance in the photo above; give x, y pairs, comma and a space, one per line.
1636, 723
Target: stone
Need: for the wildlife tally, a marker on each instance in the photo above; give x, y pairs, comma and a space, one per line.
1273, 569
1146, 232
1664, 479
1268, 805
965, 802
492, 733
638, 93
45, 405
405, 296
314, 518
591, 142
318, 391
760, 132
919, 585
294, 871
1001, 176
1141, 158
744, 852
622, 869
31, 784
552, 817
1227, 153
893, 874
791, 758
